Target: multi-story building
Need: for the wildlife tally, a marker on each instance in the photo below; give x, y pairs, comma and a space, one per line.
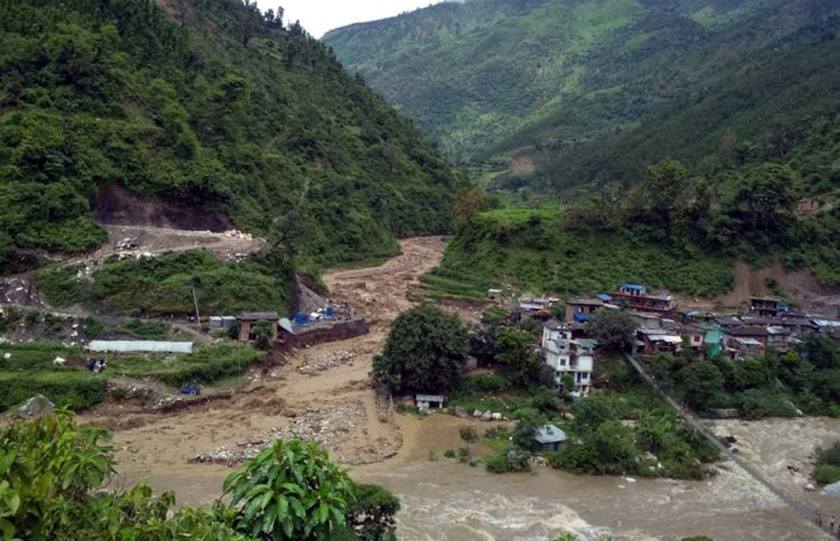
567, 355
637, 297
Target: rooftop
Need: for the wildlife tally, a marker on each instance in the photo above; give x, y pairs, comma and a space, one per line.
586, 302
549, 434
259, 316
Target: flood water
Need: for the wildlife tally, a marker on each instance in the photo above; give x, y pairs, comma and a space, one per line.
448, 501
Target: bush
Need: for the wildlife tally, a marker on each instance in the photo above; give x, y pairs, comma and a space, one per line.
484, 383
511, 460
826, 474
65, 388
372, 515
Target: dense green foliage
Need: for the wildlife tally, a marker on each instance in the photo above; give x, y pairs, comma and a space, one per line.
827, 470
207, 104
590, 94
536, 249
53, 479
613, 329
772, 385
647, 77
163, 285
291, 490
426, 352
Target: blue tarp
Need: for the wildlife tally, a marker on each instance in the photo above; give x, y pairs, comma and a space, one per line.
582, 317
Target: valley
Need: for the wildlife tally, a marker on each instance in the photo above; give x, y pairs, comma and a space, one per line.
488, 270
451, 499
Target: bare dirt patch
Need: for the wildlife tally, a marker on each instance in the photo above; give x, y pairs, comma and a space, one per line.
116, 205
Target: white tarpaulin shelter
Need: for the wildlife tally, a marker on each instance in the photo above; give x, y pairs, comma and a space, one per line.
139, 346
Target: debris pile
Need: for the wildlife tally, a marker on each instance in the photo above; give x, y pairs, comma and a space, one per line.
239, 235
331, 426
333, 360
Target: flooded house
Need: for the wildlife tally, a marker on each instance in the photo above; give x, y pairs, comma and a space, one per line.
570, 356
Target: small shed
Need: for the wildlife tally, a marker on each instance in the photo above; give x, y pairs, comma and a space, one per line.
248, 321
550, 437
429, 401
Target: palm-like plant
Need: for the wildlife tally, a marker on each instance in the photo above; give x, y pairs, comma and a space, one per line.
291, 490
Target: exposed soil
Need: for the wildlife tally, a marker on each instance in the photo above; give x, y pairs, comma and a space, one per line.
161, 445
800, 286
116, 205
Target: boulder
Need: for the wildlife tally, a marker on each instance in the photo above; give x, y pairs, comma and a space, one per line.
36, 406
497, 416
461, 412
486, 416
477, 414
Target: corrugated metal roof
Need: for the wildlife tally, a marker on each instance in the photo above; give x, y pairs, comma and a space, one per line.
139, 346
550, 434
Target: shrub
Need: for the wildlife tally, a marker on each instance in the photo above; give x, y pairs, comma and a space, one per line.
484, 383
372, 515
826, 474
65, 388
511, 460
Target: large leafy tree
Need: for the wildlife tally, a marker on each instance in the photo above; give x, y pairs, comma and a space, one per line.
426, 351
291, 490
613, 329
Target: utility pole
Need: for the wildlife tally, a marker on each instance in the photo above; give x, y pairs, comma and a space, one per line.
195, 302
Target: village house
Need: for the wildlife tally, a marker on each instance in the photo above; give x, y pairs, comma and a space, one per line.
248, 322
659, 341
567, 355
764, 306
637, 297
580, 310
537, 308
550, 437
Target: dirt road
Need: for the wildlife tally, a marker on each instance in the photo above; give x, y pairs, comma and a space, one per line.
335, 406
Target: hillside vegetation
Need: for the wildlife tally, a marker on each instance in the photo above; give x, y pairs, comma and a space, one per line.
592, 91
209, 104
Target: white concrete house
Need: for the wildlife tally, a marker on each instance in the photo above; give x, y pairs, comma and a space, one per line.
565, 355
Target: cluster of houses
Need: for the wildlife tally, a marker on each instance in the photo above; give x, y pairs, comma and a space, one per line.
663, 327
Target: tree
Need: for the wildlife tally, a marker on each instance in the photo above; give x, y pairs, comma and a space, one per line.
249, 21
592, 412
613, 442
516, 350
469, 435
291, 490
528, 421
613, 329
426, 351
262, 335
468, 203
483, 339
764, 201
702, 383
372, 516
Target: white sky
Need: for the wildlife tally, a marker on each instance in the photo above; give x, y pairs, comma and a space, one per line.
319, 16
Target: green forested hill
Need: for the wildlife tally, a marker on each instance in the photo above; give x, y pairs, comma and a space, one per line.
209, 104
561, 78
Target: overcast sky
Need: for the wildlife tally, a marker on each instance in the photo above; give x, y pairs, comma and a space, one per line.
319, 16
